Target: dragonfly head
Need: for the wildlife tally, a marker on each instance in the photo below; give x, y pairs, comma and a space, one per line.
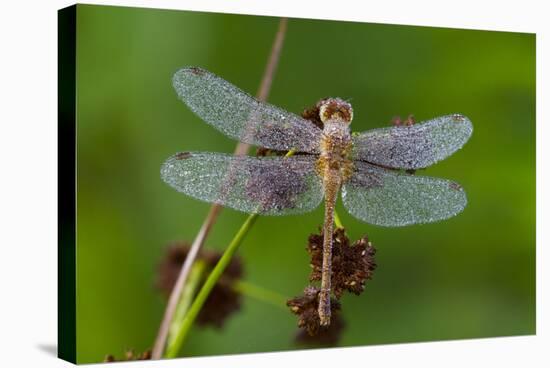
335, 109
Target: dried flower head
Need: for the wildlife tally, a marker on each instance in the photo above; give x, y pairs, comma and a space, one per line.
409, 121
326, 336
129, 356
223, 299
352, 265
306, 308
312, 114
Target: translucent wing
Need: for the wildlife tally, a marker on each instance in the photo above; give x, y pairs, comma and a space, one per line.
389, 198
416, 146
242, 117
266, 185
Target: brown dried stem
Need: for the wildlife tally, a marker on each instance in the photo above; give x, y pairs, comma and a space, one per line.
241, 149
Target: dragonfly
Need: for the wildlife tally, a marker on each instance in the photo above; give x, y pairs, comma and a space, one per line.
371, 169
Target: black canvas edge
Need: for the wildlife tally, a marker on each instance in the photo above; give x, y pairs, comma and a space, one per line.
66, 187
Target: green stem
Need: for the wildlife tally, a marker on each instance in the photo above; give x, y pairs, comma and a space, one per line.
185, 327
337, 220
187, 293
259, 293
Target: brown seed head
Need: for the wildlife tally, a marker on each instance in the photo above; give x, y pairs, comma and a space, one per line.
130, 355
312, 114
352, 265
222, 302
326, 336
306, 308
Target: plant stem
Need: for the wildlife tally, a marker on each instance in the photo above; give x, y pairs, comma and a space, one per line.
191, 286
259, 293
241, 149
175, 296
209, 284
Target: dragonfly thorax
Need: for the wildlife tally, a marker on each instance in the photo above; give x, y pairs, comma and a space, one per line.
335, 148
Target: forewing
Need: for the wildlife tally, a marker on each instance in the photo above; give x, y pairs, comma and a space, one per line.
390, 198
416, 146
242, 117
265, 185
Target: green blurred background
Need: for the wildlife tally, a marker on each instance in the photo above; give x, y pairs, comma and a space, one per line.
471, 276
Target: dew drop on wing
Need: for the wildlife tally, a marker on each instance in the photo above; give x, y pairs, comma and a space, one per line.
242, 117
413, 147
267, 185
398, 199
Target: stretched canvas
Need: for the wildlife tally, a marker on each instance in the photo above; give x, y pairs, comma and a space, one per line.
152, 106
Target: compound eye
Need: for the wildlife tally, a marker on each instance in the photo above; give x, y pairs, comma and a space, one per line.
335, 109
